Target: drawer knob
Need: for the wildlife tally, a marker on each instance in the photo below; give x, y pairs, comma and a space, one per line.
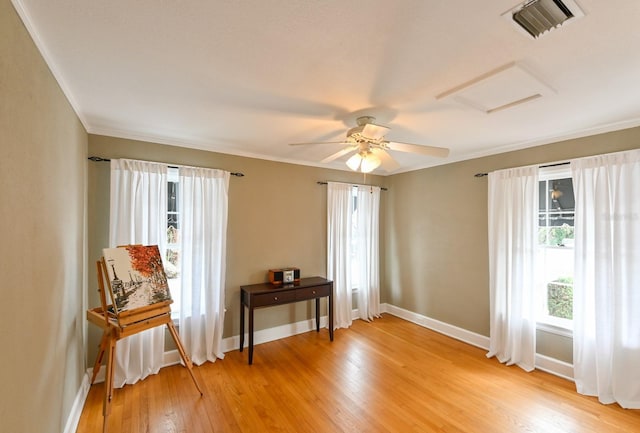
314, 292
275, 298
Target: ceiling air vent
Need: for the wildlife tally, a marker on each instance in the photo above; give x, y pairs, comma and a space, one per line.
539, 16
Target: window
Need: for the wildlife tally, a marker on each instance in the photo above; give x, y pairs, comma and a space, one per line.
172, 253
555, 247
355, 255
353, 235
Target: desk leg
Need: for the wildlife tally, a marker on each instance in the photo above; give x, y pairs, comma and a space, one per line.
317, 314
250, 335
330, 301
241, 324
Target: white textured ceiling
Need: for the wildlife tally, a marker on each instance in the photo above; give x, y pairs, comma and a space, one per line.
249, 77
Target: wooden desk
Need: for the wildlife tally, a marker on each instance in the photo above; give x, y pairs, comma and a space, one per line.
266, 295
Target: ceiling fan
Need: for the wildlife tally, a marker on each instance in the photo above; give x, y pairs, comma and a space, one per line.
370, 147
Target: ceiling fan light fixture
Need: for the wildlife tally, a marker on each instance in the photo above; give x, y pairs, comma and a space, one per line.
364, 162
369, 163
354, 162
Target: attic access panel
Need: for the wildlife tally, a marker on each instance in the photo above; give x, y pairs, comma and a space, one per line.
500, 89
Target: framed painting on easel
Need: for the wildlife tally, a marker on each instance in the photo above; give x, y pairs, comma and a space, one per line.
138, 288
136, 277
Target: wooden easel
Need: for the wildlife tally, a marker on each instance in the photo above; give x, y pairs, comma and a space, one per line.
118, 326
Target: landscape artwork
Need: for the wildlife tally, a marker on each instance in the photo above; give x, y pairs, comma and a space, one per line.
136, 276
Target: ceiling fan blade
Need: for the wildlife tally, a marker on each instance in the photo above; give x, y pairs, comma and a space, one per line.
388, 163
338, 154
440, 152
319, 142
374, 132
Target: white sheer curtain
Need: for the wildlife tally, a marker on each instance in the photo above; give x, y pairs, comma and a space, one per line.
138, 215
513, 201
367, 227
339, 220
353, 238
203, 204
606, 335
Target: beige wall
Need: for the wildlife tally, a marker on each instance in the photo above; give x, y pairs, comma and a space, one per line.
42, 260
437, 252
277, 217
433, 227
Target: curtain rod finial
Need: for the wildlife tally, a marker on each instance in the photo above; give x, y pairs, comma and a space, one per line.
98, 159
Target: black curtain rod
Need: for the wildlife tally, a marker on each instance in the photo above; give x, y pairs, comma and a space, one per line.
541, 166
324, 182
99, 159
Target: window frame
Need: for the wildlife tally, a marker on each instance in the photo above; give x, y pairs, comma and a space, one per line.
546, 322
175, 284
353, 260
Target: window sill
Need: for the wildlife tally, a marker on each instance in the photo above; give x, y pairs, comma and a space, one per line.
556, 329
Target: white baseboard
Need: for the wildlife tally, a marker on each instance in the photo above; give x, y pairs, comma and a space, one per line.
443, 328
272, 334
544, 363
78, 404
554, 366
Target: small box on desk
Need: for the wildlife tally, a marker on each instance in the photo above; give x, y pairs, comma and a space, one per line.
284, 276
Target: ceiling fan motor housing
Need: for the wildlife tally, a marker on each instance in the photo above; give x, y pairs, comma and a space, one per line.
363, 120
367, 131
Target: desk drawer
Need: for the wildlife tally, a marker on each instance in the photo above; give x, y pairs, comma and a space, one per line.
273, 298
312, 292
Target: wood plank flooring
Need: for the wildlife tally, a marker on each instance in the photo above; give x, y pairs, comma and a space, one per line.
386, 376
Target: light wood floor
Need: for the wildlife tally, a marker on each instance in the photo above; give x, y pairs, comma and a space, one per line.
386, 376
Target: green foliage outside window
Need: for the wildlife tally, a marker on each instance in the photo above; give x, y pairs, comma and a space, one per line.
555, 235
560, 298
